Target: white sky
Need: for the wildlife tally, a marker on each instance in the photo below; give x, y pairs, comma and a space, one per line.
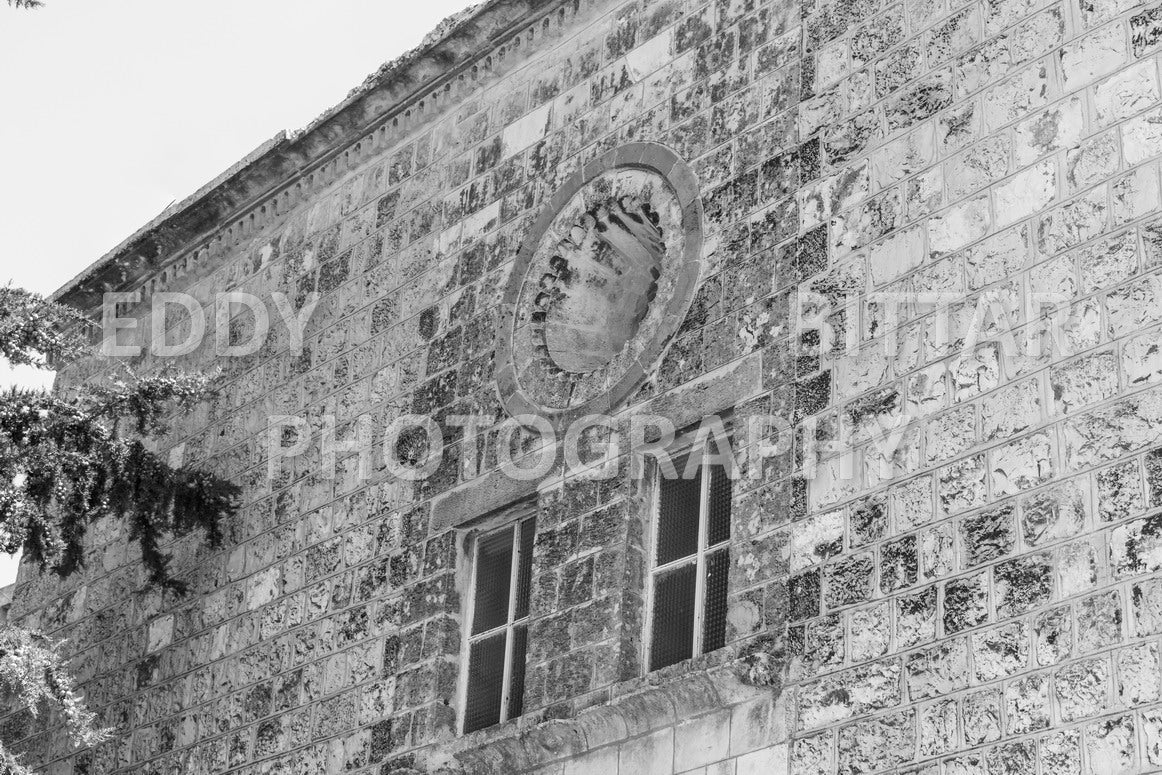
112, 109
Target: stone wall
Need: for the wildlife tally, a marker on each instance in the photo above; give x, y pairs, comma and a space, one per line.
952, 570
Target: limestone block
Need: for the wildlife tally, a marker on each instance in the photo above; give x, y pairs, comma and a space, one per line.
1078, 221
958, 226
1082, 688
916, 617
702, 741
1011, 409
816, 539
1061, 126
877, 744
652, 754
1135, 195
1092, 160
1027, 707
772, 759
1127, 92
997, 257
1061, 752
1142, 358
1093, 56
1053, 636
937, 727
981, 714
1142, 137
812, 754
1132, 306
902, 252
1111, 745
1026, 193
1084, 381
979, 166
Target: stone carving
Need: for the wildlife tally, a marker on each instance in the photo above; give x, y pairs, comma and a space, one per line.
600, 285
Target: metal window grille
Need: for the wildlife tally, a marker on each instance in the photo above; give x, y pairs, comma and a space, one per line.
690, 563
498, 636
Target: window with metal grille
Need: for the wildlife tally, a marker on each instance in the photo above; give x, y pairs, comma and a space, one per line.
690, 562
498, 636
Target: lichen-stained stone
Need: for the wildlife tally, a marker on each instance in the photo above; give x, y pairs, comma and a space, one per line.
1061, 126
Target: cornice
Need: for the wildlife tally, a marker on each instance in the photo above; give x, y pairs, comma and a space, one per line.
268, 181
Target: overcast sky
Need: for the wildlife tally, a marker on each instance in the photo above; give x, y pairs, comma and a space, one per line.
112, 109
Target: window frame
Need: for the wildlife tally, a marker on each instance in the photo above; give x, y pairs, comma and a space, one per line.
681, 453
512, 520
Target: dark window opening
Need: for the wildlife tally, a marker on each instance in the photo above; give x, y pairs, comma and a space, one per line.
498, 641
690, 564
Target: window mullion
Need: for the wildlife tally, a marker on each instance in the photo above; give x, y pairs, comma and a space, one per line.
506, 684
700, 571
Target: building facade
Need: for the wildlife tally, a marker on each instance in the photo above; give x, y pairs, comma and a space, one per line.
906, 255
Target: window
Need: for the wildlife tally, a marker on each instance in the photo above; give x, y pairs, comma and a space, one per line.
498, 637
690, 564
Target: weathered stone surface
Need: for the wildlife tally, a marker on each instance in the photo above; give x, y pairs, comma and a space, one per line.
951, 567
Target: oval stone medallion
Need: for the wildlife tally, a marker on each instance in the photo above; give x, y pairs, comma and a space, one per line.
601, 283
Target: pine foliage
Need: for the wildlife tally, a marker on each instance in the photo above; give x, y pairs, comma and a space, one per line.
69, 459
